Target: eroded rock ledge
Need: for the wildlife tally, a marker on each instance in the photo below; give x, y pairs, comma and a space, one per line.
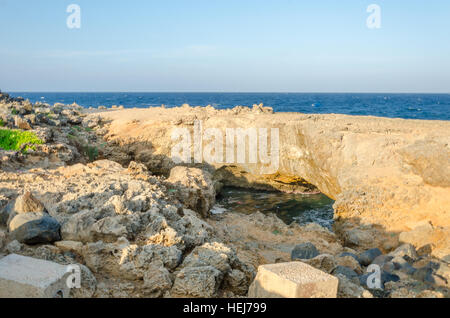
387, 175
136, 233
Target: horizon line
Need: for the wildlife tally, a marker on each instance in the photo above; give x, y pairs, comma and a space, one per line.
223, 92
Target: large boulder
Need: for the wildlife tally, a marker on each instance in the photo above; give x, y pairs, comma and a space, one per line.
34, 228
214, 254
202, 282
157, 281
194, 188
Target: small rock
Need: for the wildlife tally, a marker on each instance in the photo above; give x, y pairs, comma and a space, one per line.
351, 262
304, 251
424, 274
399, 262
366, 258
425, 250
419, 236
388, 267
28, 203
444, 271
69, 246
6, 213
2, 239
14, 247
22, 123
35, 228
136, 168
357, 237
324, 262
382, 259
345, 271
349, 254
348, 289
406, 268
405, 250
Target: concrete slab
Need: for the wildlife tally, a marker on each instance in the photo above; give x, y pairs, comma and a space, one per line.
293, 280
26, 277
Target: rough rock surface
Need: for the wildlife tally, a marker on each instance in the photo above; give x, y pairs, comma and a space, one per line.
194, 188
388, 174
34, 228
304, 251
135, 233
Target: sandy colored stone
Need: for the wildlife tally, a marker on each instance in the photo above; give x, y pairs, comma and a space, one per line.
26, 277
292, 280
69, 246
28, 203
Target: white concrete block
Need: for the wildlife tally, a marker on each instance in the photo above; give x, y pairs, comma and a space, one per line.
293, 280
26, 277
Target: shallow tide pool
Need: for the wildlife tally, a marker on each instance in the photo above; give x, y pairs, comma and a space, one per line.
300, 208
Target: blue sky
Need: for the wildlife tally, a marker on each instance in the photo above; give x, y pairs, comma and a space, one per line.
225, 45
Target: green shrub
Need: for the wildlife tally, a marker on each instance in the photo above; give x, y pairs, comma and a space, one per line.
15, 139
91, 152
2, 123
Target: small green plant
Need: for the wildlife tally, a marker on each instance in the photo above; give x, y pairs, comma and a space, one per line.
2, 123
14, 111
15, 140
91, 152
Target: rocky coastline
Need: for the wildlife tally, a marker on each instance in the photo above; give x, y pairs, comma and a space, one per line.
100, 190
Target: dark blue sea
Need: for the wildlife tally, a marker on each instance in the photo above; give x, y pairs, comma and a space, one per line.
409, 106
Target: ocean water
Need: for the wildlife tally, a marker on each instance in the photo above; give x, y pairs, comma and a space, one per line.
408, 106
289, 207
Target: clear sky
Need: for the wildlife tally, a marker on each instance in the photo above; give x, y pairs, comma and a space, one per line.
225, 45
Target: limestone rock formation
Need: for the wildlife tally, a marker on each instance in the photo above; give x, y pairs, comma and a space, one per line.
386, 175
194, 188
102, 192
